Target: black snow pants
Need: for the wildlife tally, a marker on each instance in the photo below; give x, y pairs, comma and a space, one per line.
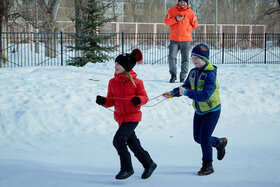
125, 136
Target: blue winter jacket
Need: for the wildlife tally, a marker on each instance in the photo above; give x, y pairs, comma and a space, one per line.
203, 88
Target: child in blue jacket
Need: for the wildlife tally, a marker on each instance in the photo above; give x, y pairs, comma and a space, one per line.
202, 87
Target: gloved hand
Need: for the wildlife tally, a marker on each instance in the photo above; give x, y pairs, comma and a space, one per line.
178, 17
100, 100
136, 101
183, 91
167, 94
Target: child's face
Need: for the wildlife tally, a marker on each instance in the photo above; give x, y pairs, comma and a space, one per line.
198, 62
118, 68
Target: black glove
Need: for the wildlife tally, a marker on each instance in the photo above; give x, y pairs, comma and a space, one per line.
100, 100
136, 100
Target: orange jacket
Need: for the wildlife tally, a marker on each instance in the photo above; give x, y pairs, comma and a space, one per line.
181, 31
120, 92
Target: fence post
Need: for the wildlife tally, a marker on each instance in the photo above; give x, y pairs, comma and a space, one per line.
250, 36
61, 43
122, 42
265, 48
136, 33
223, 48
154, 35
1, 47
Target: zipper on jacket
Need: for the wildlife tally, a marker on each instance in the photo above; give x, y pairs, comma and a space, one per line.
195, 87
123, 100
209, 103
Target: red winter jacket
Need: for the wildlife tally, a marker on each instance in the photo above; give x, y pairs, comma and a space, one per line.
120, 92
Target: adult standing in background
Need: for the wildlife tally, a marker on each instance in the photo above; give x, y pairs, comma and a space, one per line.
181, 21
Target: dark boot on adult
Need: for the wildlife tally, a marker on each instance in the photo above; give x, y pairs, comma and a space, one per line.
123, 174
173, 78
221, 151
149, 171
206, 169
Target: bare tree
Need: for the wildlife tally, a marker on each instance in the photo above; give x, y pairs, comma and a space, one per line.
4, 10
78, 14
269, 13
235, 12
148, 11
273, 7
130, 11
47, 9
154, 11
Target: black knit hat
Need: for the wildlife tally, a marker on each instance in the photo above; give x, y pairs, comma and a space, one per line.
183, 0
128, 61
201, 51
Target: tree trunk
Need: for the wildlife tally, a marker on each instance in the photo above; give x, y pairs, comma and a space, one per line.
78, 14
50, 44
0, 41
36, 36
50, 10
3, 43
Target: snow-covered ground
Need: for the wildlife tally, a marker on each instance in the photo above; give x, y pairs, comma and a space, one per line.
52, 133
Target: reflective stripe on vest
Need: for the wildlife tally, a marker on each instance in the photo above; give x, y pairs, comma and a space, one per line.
198, 85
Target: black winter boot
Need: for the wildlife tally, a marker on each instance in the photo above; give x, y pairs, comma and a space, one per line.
124, 174
206, 169
148, 171
221, 148
173, 78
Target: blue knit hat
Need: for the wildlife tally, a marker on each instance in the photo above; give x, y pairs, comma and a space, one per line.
201, 51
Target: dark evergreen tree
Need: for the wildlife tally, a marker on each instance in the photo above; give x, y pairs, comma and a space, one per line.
90, 44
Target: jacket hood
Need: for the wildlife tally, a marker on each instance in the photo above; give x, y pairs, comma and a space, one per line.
121, 77
208, 67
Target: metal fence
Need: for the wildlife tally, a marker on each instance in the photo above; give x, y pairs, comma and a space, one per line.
51, 49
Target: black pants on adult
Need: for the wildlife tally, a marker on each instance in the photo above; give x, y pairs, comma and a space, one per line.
125, 136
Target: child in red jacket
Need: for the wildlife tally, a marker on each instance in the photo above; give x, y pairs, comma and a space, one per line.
126, 93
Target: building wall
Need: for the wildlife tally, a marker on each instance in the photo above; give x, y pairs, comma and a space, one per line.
133, 11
